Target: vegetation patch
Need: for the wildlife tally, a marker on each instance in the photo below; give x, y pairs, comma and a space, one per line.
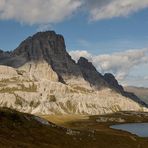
9, 90
19, 100
82, 89
34, 104
32, 88
51, 98
21, 87
70, 107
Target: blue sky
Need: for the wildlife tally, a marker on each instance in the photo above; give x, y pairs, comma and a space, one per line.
90, 29
104, 36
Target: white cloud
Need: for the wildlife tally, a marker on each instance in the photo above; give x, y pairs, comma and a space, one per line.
105, 9
54, 11
138, 81
80, 53
120, 64
37, 11
44, 27
146, 78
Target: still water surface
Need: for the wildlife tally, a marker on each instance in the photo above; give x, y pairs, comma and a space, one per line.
140, 129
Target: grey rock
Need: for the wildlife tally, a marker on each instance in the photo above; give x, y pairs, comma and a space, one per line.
110, 78
4, 56
91, 75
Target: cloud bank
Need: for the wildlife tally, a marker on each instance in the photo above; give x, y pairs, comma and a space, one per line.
54, 11
105, 9
120, 64
37, 11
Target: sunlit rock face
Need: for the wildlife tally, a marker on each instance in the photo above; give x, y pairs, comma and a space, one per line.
40, 70
40, 77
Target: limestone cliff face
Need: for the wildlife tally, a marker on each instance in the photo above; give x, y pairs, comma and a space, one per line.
38, 71
39, 96
7, 72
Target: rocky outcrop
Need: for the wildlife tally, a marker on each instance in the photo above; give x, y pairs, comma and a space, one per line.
111, 80
39, 70
4, 57
4, 54
1, 53
91, 75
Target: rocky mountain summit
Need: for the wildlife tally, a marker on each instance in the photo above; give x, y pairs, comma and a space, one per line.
91, 75
39, 76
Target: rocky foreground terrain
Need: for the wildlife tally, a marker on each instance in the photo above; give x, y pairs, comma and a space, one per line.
39, 77
19, 130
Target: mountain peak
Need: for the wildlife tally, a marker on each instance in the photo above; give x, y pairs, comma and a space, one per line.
91, 74
47, 35
40, 45
86, 63
82, 59
110, 78
46, 46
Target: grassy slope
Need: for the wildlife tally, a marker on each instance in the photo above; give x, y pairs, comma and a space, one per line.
21, 130
107, 137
